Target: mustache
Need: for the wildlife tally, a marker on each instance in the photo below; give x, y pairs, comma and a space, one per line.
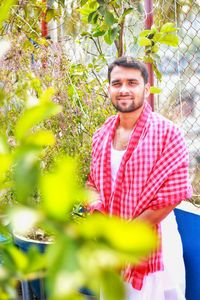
125, 97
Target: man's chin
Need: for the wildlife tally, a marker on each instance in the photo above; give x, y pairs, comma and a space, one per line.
126, 109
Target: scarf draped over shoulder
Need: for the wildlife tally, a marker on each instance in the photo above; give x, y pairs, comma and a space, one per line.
153, 174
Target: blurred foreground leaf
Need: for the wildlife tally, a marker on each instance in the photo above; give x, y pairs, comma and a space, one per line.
26, 173
41, 138
135, 238
4, 8
35, 115
112, 281
60, 190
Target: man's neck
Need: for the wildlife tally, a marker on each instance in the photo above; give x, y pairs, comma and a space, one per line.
128, 120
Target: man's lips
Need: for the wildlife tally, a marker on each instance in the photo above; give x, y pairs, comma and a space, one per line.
124, 98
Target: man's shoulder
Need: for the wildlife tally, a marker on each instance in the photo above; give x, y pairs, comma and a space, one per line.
162, 122
166, 129
105, 126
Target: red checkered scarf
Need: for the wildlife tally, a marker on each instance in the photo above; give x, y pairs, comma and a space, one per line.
153, 174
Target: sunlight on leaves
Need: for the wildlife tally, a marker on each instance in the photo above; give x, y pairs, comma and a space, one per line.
23, 219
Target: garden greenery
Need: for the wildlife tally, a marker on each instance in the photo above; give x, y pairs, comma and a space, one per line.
50, 107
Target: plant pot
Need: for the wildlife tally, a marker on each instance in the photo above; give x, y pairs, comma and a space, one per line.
37, 285
189, 228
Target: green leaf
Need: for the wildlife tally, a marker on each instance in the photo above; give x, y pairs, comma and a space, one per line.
168, 27
4, 8
113, 33
36, 260
35, 115
102, 9
143, 41
157, 72
145, 32
135, 237
155, 48
155, 90
157, 36
60, 187
112, 286
50, 14
127, 11
85, 33
91, 16
109, 18
5, 158
170, 40
98, 33
5, 163
148, 59
3, 145
18, 259
2, 93
107, 38
41, 138
93, 4
26, 173
83, 2
47, 95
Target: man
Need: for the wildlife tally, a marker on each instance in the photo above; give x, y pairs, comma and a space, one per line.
139, 169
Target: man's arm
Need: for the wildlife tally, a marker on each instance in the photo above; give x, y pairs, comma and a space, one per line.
155, 216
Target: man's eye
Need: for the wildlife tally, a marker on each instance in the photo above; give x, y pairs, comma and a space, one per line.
116, 84
132, 82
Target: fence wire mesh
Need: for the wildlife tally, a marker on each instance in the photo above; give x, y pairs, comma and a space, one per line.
180, 97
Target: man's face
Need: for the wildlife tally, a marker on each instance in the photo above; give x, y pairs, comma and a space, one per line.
127, 89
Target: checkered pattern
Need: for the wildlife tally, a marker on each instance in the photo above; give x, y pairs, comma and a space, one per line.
153, 174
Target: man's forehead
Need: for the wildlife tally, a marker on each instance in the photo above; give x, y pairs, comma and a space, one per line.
120, 69
125, 73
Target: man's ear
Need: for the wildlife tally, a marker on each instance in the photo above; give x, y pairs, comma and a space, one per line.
147, 90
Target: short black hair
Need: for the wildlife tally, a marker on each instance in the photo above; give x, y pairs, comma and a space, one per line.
131, 63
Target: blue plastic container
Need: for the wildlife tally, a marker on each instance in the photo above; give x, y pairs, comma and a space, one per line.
189, 228
37, 285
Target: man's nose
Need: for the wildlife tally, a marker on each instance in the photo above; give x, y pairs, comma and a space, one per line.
123, 89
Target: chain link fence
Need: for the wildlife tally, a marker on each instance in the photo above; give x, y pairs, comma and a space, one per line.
180, 97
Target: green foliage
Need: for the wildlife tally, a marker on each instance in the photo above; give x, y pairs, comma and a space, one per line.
5, 6
155, 90
35, 115
48, 191
151, 40
49, 110
106, 19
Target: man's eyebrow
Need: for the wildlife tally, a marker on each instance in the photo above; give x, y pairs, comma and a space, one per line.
129, 79
115, 81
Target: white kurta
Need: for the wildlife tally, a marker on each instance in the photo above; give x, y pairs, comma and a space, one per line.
170, 283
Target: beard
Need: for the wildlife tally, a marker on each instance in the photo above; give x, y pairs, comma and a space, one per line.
128, 106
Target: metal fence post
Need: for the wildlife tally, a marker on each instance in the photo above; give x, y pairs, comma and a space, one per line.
148, 4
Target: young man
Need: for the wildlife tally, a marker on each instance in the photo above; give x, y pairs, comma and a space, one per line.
139, 169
